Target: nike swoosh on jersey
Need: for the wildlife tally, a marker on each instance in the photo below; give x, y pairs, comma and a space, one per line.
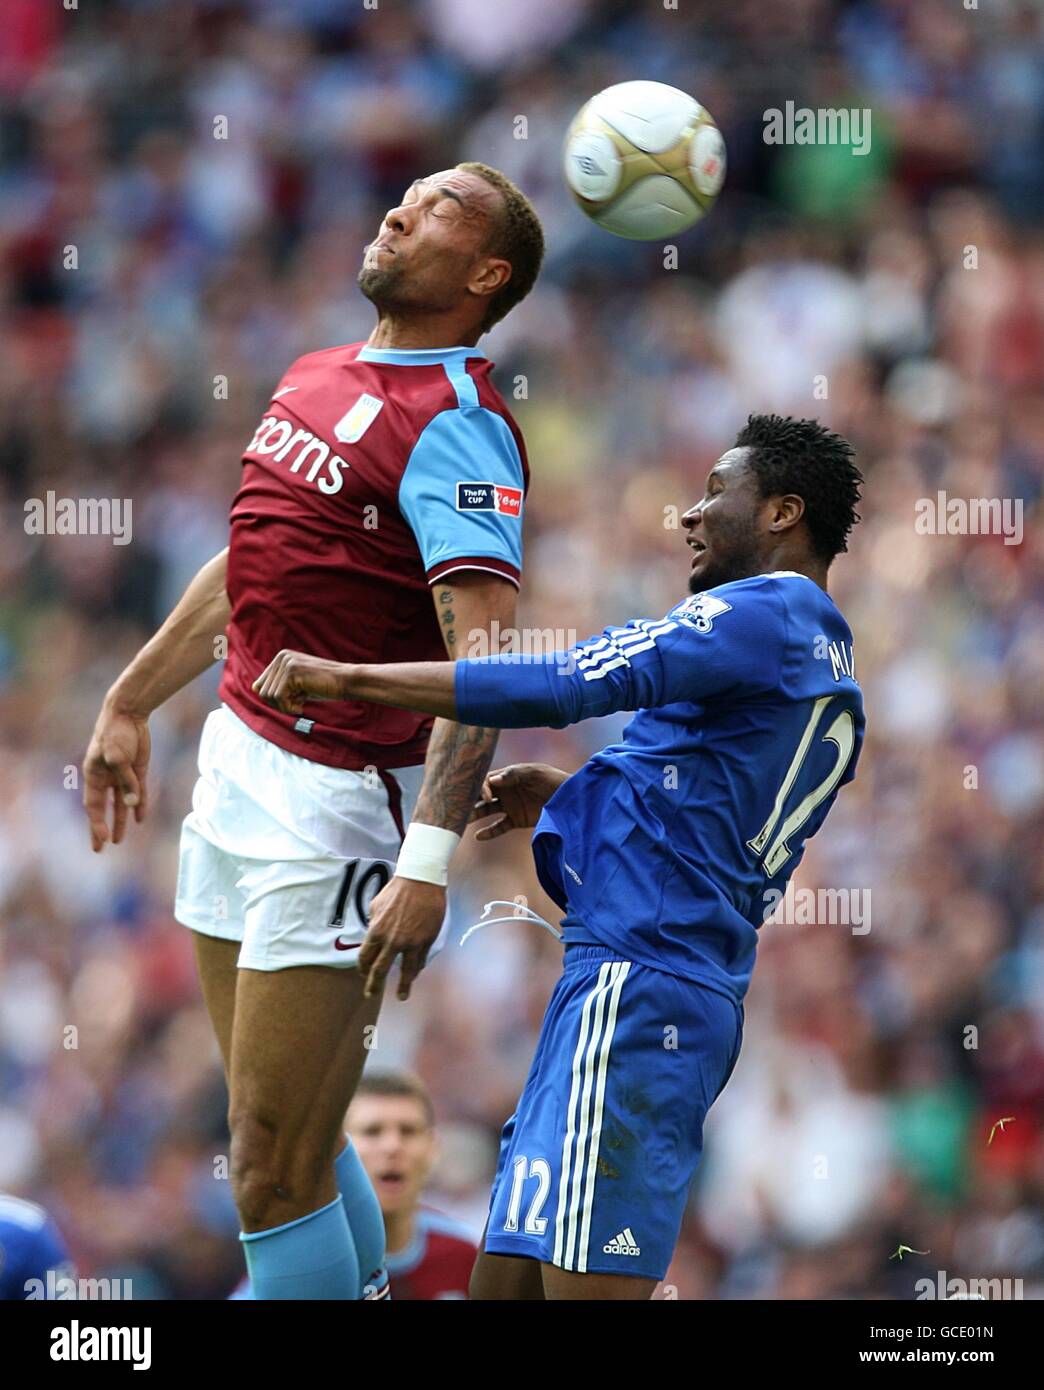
283, 392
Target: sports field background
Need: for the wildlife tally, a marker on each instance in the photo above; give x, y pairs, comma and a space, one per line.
859, 1115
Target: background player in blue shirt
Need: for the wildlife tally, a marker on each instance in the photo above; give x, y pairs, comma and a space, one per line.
664, 851
31, 1248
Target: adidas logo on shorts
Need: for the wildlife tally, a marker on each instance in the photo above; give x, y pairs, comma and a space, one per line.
623, 1244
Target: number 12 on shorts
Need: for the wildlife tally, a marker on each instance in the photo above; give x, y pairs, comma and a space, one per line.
540, 1169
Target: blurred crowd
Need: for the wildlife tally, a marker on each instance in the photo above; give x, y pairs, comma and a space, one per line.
185, 191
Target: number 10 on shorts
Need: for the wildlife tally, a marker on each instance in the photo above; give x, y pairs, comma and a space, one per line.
358, 890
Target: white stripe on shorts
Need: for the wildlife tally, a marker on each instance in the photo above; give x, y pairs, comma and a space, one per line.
589, 1071
623, 967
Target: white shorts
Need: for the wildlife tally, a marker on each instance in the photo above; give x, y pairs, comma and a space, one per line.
284, 854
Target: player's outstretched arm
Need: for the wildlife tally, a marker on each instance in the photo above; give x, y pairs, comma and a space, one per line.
291, 678
643, 665
117, 757
521, 692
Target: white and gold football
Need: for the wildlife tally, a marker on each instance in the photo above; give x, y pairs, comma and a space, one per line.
644, 160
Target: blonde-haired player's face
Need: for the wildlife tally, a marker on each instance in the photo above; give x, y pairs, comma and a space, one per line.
397, 1146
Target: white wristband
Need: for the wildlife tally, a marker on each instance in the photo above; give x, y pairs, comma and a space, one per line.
426, 853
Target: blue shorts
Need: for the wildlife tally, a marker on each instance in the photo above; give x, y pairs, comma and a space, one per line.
596, 1162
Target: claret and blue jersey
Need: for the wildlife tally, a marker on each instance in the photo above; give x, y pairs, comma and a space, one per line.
373, 474
666, 846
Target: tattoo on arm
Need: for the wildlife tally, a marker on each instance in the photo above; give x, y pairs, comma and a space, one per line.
459, 755
446, 619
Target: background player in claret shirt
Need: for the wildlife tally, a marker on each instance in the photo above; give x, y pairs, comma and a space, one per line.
664, 852
392, 1125
379, 516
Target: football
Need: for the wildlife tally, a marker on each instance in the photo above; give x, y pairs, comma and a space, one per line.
644, 160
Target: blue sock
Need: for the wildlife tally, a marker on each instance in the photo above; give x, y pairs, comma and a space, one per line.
365, 1221
312, 1258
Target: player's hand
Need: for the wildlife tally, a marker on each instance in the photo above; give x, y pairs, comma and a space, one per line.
515, 795
116, 762
405, 918
291, 678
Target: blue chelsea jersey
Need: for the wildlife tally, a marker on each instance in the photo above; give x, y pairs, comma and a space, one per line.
672, 845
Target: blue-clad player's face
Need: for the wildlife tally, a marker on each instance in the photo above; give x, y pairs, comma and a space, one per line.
724, 529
